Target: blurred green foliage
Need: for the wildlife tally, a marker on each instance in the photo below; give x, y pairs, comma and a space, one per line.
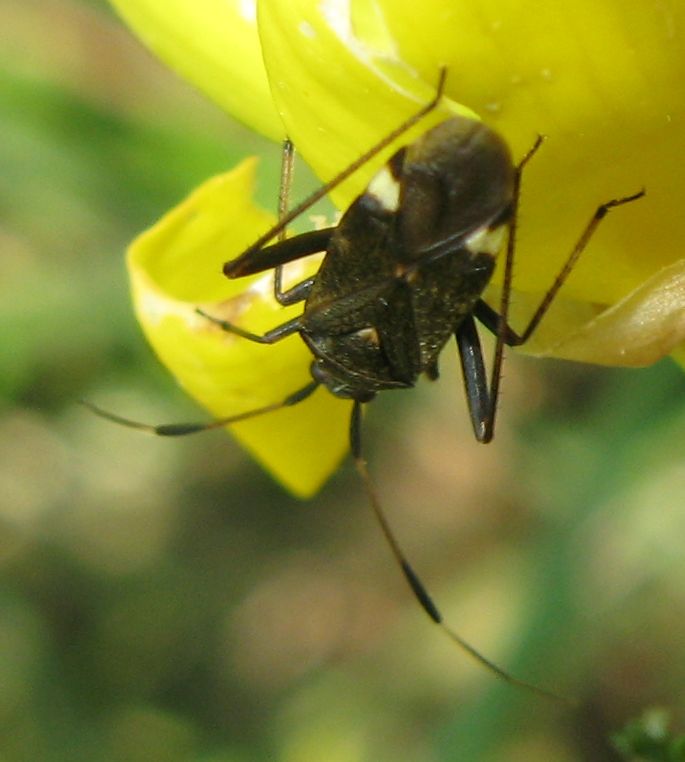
163, 600
650, 739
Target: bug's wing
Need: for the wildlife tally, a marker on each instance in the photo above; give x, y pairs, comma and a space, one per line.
454, 180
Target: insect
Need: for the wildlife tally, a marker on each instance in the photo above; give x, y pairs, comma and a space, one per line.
403, 272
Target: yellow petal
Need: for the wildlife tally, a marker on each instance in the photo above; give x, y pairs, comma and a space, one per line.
603, 79
338, 94
175, 267
213, 44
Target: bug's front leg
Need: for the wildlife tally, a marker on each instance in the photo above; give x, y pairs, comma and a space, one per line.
270, 337
277, 255
256, 260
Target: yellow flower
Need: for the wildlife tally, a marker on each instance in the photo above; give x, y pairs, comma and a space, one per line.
603, 79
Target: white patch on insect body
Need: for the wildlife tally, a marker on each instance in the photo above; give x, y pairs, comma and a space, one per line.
486, 240
385, 189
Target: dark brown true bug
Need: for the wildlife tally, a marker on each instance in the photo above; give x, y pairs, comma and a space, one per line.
403, 272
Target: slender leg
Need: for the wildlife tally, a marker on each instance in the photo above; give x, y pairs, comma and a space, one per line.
286, 183
285, 187
482, 401
289, 250
600, 213
295, 294
240, 266
488, 427
417, 587
475, 377
275, 256
182, 429
299, 292
279, 254
270, 337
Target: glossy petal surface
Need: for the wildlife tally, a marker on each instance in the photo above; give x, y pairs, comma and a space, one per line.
175, 267
214, 45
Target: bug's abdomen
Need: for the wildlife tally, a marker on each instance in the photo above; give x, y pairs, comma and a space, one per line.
443, 294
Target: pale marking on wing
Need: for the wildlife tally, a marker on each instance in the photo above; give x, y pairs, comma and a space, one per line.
485, 240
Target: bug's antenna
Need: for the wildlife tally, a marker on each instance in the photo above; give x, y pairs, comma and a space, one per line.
183, 429
233, 268
417, 587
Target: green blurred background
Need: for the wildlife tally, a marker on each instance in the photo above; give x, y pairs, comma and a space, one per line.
165, 600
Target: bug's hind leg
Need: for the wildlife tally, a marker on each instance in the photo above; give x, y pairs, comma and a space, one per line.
491, 320
482, 397
478, 397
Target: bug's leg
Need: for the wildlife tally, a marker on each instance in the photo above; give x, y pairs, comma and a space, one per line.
515, 339
299, 292
274, 256
284, 189
487, 425
288, 251
478, 397
270, 337
300, 246
417, 587
253, 254
469, 345
498, 323
286, 182
305, 245
182, 429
